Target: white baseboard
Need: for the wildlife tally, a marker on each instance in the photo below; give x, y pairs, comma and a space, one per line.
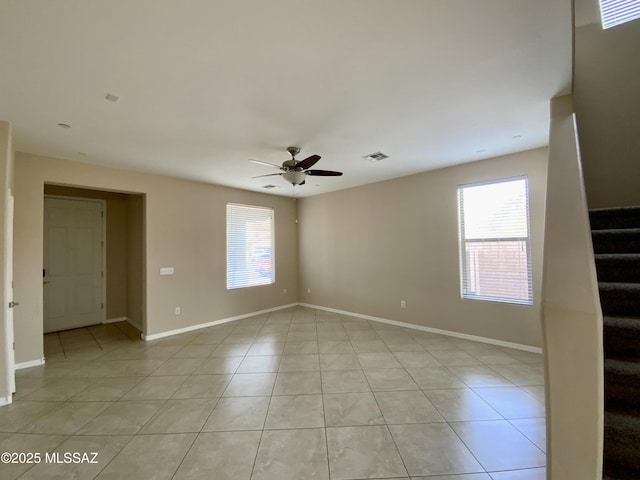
115, 320
199, 326
475, 338
29, 364
6, 400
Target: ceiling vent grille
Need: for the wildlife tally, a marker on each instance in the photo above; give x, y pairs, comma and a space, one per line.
375, 157
269, 187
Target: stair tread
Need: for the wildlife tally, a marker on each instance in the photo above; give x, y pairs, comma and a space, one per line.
618, 256
619, 286
622, 366
627, 323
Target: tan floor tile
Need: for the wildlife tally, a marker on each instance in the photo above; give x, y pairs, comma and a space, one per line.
220, 456
104, 448
433, 449
122, 418
461, 405
203, 386
295, 411
344, 381
298, 452
181, 416
66, 419
297, 383
407, 407
498, 445
351, 453
155, 388
149, 456
351, 409
238, 413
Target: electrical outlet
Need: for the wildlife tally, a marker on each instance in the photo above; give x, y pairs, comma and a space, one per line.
403, 304
177, 310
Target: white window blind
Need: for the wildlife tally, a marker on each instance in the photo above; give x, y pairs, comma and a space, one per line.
249, 246
616, 12
495, 255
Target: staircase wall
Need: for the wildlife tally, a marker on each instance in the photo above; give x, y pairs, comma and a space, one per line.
571, 314
606, 98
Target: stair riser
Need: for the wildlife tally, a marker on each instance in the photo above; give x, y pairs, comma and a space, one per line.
621, 271
621, 346
620, 394
617, 219
618, 449
626, 242
620, 305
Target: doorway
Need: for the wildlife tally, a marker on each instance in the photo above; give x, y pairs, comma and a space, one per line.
74, 259
123, 253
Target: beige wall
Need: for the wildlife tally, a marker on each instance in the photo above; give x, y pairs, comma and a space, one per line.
184, 229
116, 243
135, 260
6, 169
365, 249
607, 99
572, 318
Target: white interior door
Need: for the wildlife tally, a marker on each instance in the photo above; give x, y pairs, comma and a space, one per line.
11, 355
73, 263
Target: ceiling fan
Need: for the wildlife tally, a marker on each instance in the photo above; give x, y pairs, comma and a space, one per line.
295, 171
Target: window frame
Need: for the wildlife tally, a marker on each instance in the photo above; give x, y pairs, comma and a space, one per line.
234, 285
465, 293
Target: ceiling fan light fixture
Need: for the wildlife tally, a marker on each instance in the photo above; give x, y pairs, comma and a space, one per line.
294, 177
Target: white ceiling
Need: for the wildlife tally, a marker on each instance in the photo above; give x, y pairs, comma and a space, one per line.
205, 85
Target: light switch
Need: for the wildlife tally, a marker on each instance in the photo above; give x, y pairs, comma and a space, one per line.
166, 270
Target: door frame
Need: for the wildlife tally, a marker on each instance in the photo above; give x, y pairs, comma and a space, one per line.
8, 296
104, 247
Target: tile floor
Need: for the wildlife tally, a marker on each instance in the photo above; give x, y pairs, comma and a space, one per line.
293, 394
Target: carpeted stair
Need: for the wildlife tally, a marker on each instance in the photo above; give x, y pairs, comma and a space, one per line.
616, 244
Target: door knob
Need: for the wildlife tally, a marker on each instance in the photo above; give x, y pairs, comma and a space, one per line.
13, 304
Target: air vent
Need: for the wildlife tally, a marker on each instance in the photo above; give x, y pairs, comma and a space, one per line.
112, 98
269, 187
375, 157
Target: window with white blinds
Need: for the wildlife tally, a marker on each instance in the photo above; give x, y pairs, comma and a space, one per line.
616, 12
250, 244
495, 255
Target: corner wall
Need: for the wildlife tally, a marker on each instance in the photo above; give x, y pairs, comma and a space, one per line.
572, 318
184, 229
365, 249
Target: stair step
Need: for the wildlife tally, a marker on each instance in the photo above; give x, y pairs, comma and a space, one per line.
622, 383
616, 240
621, 336
620, 299
618, 267
618, 217
621, 438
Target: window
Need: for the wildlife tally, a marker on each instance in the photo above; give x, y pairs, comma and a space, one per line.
616, 12
249, 246
495, 258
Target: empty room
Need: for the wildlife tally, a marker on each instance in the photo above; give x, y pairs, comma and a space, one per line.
327, 240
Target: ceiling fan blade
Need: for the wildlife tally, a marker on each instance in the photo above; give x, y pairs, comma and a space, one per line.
266, 164
267, 175
323, 173
308, 162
